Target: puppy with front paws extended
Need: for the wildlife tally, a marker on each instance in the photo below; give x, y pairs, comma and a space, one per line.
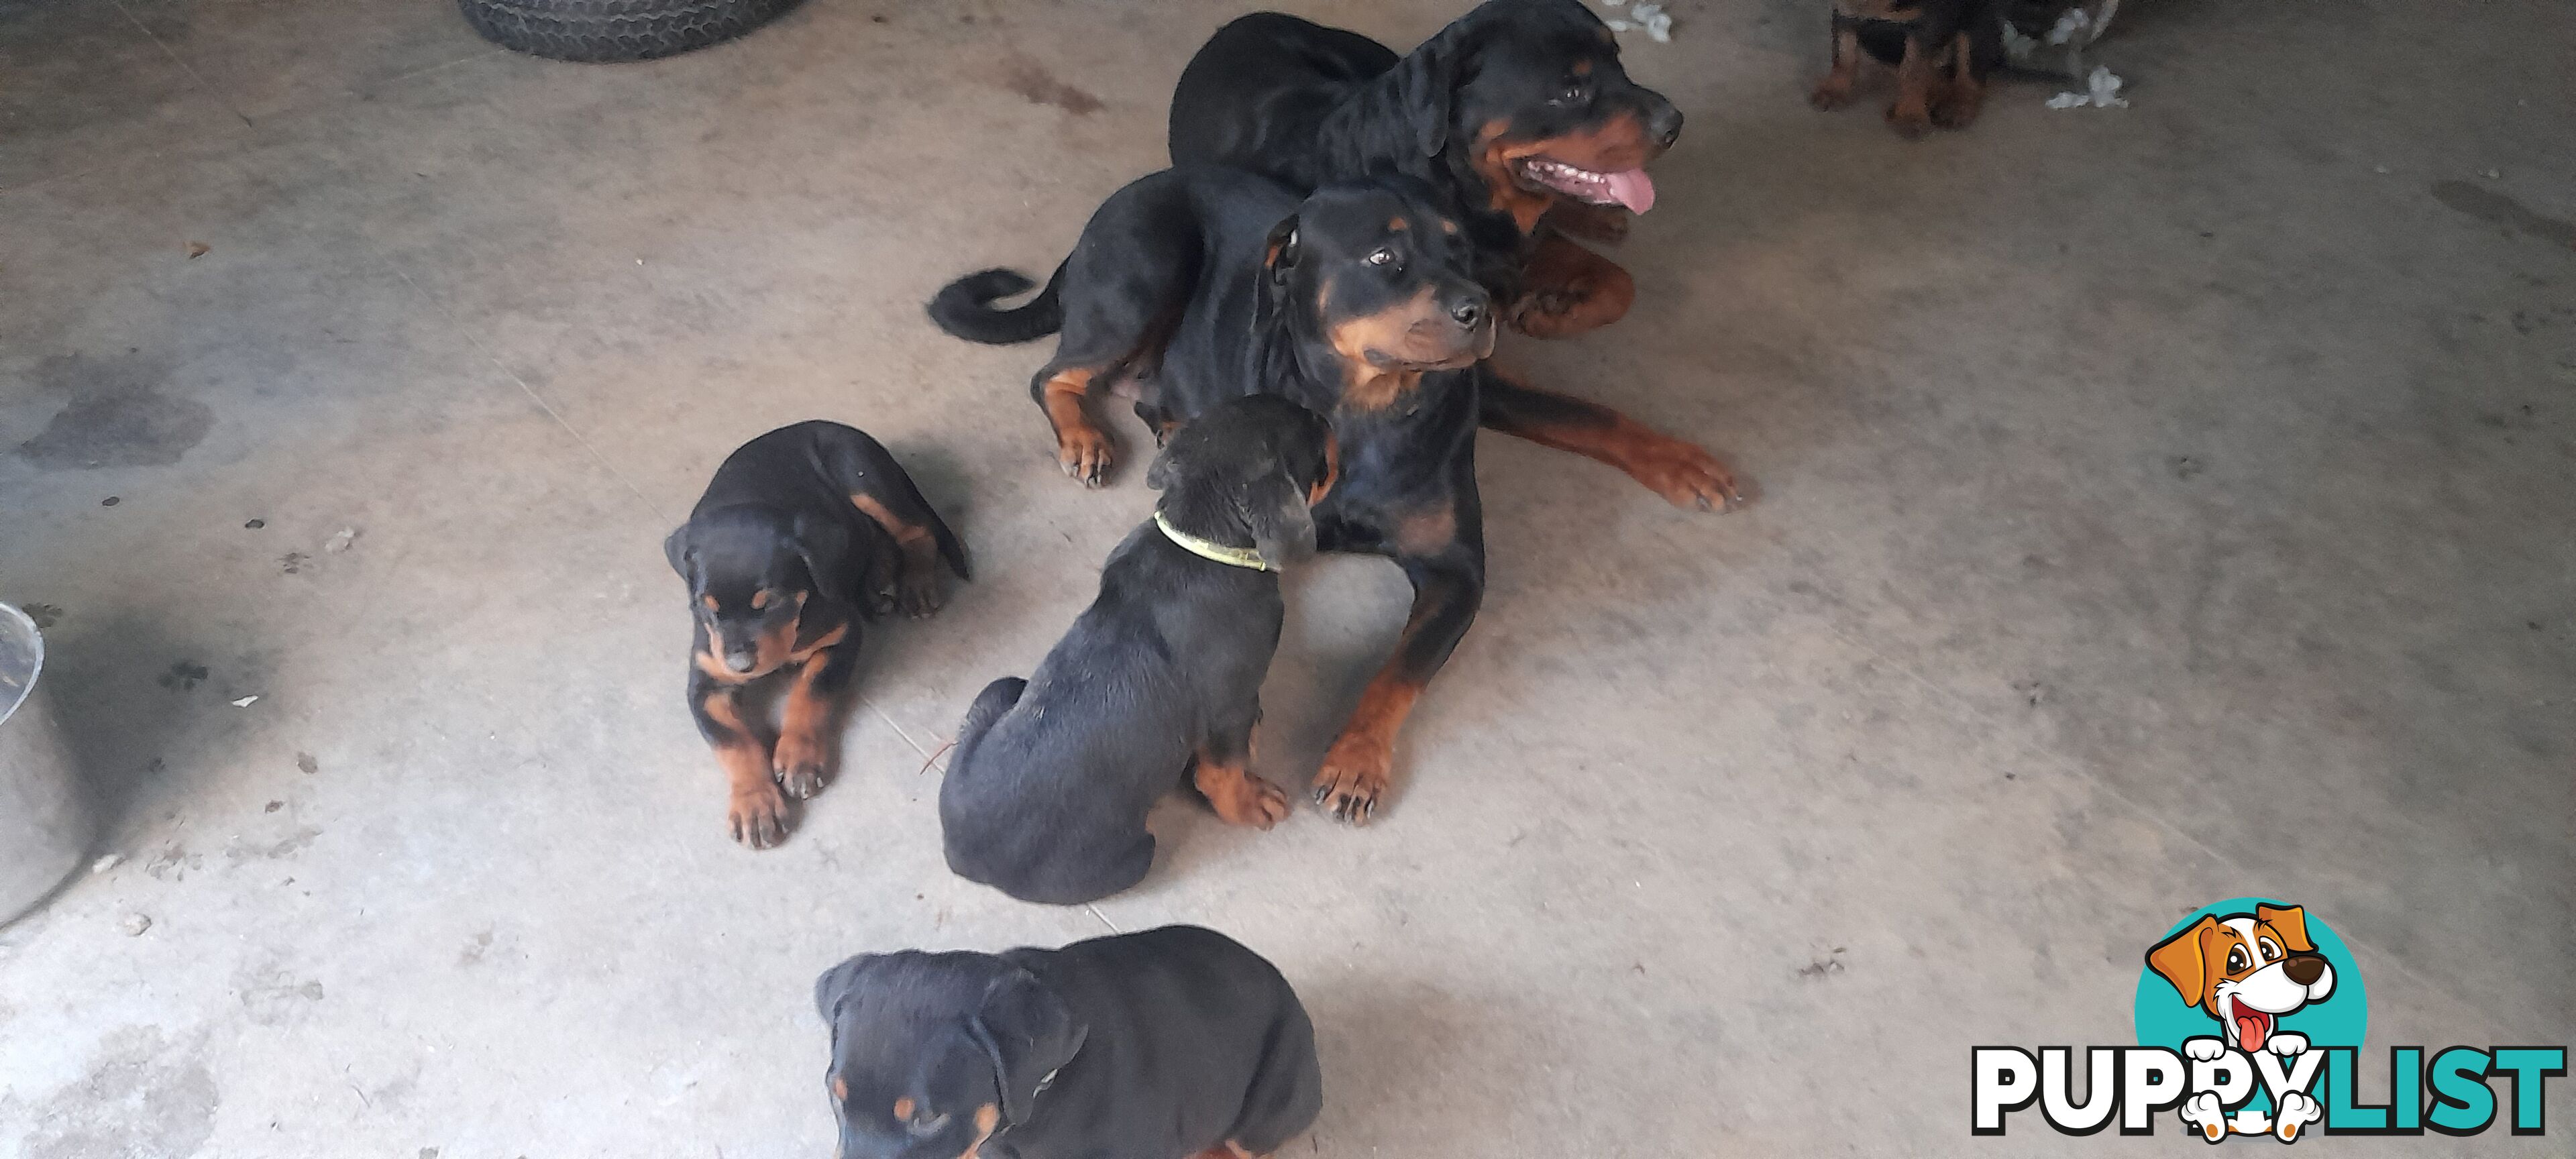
1165, 1044
1159, 678
803, 533
2248, 971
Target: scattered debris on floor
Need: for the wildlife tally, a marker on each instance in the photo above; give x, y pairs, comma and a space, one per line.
2032, 692
2184, 466
110, 501
246, 701
1829, 964
45, 615
2059, 50
1649, 18
183, 675
2103, 92
173, 863
106, 863
256, 524
134, 925
273, 806
340, 542
293, 562
198, 249
305, 764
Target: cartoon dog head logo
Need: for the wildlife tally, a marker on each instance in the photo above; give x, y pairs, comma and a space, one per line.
2248, 971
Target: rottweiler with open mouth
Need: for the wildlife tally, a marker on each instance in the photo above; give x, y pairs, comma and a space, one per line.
1519, 110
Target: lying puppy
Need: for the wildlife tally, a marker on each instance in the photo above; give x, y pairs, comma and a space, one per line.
805, 532
1164, 1044
1517, 111
1046, 797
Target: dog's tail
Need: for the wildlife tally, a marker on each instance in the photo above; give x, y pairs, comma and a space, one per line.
964, 307
996, 699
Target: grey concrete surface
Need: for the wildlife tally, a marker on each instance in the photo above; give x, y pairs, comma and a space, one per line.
2159, 505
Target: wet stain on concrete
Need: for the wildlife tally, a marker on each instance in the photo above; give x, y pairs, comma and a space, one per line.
115, 416
144, 1096
2495, 208
1024, 75
273, 997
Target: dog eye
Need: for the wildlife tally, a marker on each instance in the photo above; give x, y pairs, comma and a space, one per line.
2271, 953
1380, 257
2235, 959
1574, 94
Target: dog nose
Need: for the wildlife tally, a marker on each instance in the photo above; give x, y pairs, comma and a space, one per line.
741, 660
1468, 313
1665, 125
2304, 969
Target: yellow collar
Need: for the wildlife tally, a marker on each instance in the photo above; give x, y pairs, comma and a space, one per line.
1210, 549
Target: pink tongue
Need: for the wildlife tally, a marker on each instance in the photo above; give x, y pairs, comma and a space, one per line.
1633, 189
2250, 1032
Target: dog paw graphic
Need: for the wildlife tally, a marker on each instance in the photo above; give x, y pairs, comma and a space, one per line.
2202, 1111
2203, 1049
2286, 1044
2296, 1111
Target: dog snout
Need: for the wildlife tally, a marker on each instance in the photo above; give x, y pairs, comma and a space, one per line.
1663, 121
741, 659
1469, 312
2304, 969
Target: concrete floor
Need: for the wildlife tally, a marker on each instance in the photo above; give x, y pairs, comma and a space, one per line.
2160, 505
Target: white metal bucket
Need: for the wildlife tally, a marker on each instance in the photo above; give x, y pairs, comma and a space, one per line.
45, 824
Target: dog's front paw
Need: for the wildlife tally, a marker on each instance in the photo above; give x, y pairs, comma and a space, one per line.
1355, 775
1910, 121
1685, 475
758, 816
1086, 454
1256, 803
920, 595
2286, 1044
2296, 1110
1833, 93
2203, 1111
2203, 1049
800, 766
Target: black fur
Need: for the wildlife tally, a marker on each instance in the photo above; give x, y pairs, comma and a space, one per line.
778, 526
965, 307
1046, 796
1155, 1045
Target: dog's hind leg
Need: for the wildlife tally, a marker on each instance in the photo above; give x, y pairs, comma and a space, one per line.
1835, 90
1966, 90
1911, 115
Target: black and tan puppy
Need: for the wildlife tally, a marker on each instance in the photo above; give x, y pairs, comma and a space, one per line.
1158, 680
1166, 1044
804, 533
1943, 51
1519, 110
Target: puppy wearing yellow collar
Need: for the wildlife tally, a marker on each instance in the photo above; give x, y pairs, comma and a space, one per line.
1158, 681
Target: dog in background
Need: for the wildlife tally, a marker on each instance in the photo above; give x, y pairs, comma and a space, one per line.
1159, 679
804, 533
2247, 971
1165, 1044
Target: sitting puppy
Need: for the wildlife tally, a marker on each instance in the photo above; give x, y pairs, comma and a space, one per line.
1160, 677
1157, 1045
803, 533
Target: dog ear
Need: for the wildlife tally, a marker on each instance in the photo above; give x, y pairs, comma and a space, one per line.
2293, 924
2179, 960
1279, 251
1029, 1033
832, 989
1165, 466
681, 551
1274, 507
824, 543
1426, 82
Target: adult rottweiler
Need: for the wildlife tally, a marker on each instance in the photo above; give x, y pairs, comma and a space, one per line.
1943, 50
1169, 1043
1159, 679
1359, 302
804, 533
1520, 110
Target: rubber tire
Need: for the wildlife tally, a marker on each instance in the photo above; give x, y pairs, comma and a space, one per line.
615, 30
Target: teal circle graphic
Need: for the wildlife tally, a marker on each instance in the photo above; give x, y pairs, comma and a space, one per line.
2340, 1019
